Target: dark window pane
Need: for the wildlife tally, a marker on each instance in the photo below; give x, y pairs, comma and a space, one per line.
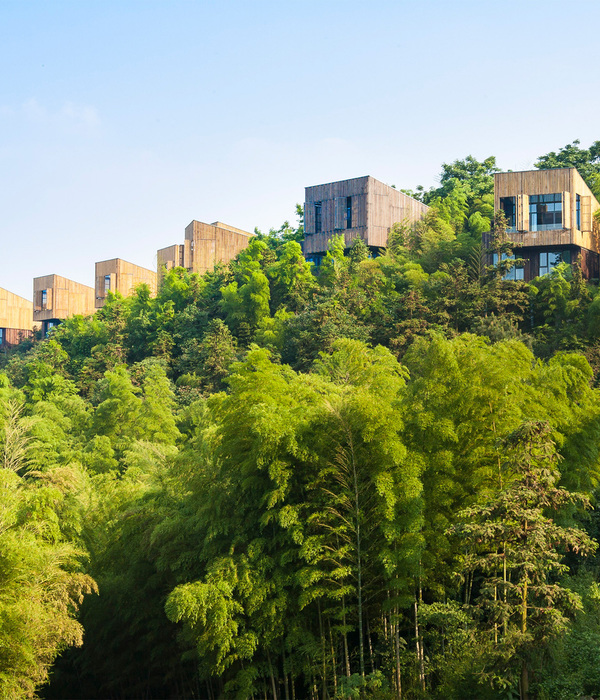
509, 207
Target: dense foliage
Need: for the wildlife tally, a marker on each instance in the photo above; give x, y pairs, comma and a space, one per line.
373, 480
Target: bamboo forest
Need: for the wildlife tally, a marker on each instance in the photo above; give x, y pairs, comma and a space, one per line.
375, 479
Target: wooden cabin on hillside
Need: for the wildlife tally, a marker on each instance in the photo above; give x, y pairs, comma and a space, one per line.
361, 207
16, 319
118, 275
204, 246
56, 298
550, 215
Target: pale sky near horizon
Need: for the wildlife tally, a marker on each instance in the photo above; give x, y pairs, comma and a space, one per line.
123, 120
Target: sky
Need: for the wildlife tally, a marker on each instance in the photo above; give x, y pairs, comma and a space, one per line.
122, 120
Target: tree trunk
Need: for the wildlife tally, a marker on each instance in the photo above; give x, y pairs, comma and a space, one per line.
524, 671
358, 562
397, 641
524, 607
420, 657
524, 681
504, 578
333, 662
323, 654
273, 685
495, 623
384, 625
370, 647
346, 655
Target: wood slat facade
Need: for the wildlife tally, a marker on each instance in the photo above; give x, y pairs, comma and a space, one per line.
361, 207
56, 298
204, 246
16, 318
118, 275
169, 257
578, 231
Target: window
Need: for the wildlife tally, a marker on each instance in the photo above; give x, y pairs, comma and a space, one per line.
545, 212
348, 212
106, 283
49, 325
318, 221
44, 298
1, 336
578, 211
550, 259
315, 259
515, 273
509, 207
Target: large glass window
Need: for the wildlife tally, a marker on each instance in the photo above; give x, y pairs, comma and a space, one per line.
318, 221
515, 273
44, 298
509, 207
1, 336
545, 211
348, 212
578, 211
550, 259
106, 284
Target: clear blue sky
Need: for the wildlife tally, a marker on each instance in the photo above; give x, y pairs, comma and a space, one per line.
121, 121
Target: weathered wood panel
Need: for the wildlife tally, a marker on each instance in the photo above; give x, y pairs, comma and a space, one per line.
566, 212
586, 213
15, 312
209, 244
124, 278
169, 257
309, 217
64, 298
13, 336
531, 182
376, 207
340, 213
204, 246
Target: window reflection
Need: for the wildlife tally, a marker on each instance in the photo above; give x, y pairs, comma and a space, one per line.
545, 211
515, 273
550, 259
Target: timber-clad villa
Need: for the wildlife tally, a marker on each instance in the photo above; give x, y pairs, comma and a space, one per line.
550, 215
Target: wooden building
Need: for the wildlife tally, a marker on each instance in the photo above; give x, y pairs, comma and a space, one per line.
550, 216
118, 275
16, 319
56, 298
204, 246
359, 208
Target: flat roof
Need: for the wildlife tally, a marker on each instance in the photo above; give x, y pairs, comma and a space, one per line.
534, 170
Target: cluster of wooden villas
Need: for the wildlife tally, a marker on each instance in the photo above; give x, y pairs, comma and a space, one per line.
550, 215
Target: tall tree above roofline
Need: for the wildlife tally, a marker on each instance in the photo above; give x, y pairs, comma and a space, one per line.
587, 162
477, 176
